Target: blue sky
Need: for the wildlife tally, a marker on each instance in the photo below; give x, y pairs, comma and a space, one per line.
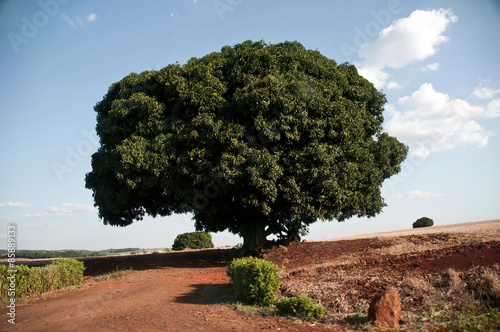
437, 62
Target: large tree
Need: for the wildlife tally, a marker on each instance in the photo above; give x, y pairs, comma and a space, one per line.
257, 139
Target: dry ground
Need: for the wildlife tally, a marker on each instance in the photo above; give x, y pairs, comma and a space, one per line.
432, 269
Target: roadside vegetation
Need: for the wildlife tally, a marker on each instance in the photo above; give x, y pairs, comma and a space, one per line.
60, 275
256, 282
37, 280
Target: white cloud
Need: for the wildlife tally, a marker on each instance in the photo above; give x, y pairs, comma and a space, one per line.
38, 225
373, 74
485, 93
92, 17
15, 204
65, 211
33, 215
394, 85
432, 66
405, 41
430, 121
69, 209
493, 109
415, 194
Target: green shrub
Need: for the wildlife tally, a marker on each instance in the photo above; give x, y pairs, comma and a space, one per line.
255, 280
71, 271
36, 280
423, 222
193, 240
301, 306
23, 280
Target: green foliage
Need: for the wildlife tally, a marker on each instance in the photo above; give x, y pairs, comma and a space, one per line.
71, 271
301, 306
469, 320
35, 280
193, 240
258, 139
473, 319
359, 316
23, 278
256, 280
423, 222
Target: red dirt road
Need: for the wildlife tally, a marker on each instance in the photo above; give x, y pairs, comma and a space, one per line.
166, 298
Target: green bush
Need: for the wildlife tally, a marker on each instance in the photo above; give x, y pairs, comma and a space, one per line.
35, 280
23, 278
423, 222
301, 306
255, 280
193, 240
70, 271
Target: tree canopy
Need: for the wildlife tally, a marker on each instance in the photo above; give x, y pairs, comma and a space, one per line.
257, 139
423, 222
193, 240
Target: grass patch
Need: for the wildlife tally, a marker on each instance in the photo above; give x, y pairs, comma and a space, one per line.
471, 319
302, 307
254, 310
360, 316
474, 320
114, 275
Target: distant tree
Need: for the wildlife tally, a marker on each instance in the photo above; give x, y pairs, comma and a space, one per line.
423, 222
193, 240
256, 139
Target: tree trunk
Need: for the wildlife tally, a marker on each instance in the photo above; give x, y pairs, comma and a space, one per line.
254, 236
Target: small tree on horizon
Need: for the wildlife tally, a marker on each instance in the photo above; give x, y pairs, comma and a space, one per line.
423, 222
193, 240
257, 139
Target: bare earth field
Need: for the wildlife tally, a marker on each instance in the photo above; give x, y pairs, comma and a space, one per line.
433, 269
